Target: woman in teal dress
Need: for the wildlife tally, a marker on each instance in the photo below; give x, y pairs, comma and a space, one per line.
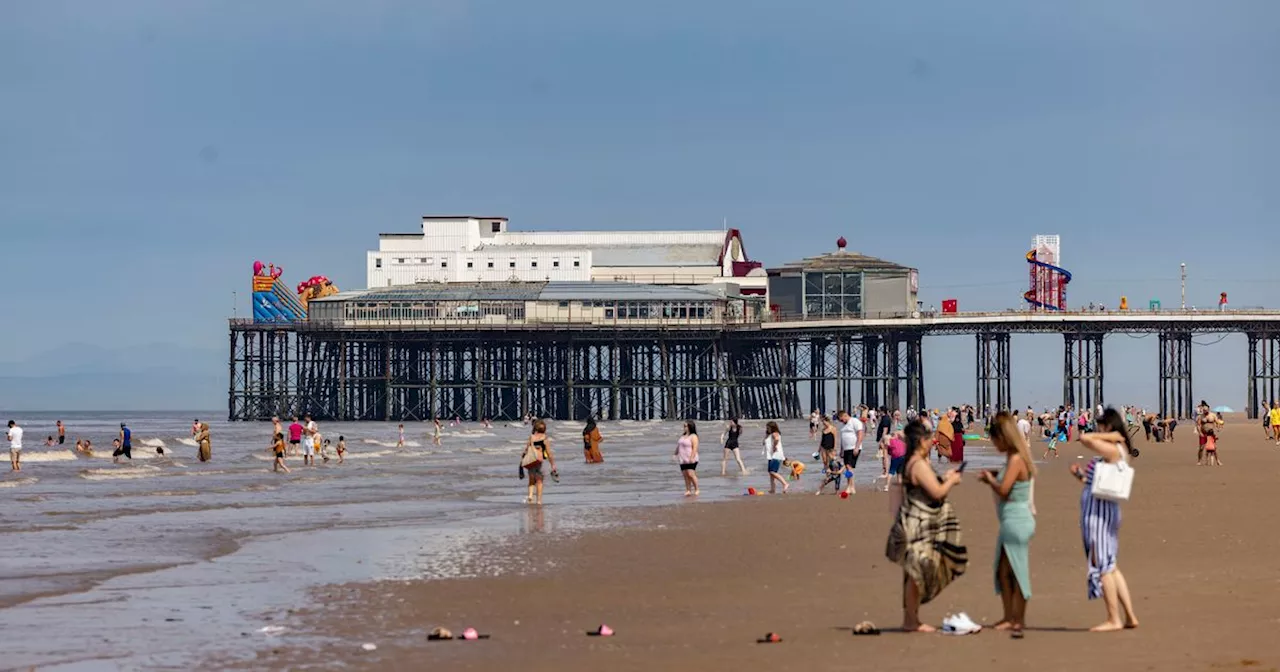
1015, 507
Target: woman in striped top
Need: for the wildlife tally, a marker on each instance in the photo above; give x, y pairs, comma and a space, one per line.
1100, 524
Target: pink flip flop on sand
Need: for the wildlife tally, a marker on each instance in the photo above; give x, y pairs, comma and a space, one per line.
602, 631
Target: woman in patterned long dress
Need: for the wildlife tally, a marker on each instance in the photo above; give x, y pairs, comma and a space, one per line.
1100, 525
925, 539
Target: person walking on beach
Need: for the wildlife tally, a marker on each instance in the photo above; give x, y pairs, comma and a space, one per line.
126, 444
537, 449
277, 447
15, 446
729, 438
851, 433
687, 454
205, 450
1274, 415
1100, 525
62, 432
591, 439
295, 436
925, 539
773, 453
1016, 512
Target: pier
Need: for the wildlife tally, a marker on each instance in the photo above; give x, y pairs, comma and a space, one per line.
692, 363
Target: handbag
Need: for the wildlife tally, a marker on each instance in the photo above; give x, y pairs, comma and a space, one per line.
531, 456
1113, 481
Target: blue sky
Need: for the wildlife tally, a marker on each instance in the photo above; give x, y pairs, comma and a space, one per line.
150, 151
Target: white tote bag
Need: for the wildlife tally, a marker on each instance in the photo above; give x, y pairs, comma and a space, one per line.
1113, 481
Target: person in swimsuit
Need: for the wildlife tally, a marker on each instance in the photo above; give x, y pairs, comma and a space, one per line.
400, 443
687, 454
277, 447
826, 439
295, 436
342, 448
537, 449
732, 432
851, 435
62, 433
436, 439
1274, 416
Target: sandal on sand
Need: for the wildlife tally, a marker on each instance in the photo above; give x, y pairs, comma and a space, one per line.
866, 628
439, 635
602, 631
770, 638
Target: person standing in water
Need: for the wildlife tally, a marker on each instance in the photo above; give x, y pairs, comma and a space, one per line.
62, 433
773, 453
436, 422
537, 449
732, 432
687, 454
15, 446
126, 444
276, 428
591, 439
295, 436
400, 443
205, 452
277, 446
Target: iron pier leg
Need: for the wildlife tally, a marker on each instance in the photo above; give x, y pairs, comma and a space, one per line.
1176, 396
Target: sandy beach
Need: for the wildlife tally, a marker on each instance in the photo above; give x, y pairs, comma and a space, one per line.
693, 585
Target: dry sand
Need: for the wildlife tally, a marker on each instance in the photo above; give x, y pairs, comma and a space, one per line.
694, 585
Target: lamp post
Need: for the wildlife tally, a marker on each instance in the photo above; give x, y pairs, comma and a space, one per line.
1184, 286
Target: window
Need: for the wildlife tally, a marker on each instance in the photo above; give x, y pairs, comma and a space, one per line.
576, 263
555, 263
424, 260
495, 227
512, 263
490, 263
470, 264
608, 313
833, 294
377, 263
444, 264
533, 264
564, 304
400, 260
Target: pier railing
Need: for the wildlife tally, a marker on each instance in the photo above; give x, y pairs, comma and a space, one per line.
914, 318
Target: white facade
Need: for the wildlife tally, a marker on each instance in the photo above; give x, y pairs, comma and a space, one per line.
481, 249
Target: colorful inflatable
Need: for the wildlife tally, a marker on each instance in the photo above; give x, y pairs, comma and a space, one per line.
316, 287
272, 300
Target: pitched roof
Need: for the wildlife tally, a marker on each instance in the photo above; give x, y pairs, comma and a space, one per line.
843, 261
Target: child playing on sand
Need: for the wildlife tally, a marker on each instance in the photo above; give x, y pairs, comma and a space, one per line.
278, 448
342, 448
834, 471
1059, 435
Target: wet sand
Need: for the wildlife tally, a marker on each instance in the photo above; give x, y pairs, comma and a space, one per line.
692, 586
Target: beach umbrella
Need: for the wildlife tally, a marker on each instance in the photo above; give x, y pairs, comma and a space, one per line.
1223, 409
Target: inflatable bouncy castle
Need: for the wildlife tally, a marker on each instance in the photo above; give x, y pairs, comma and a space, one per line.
274, 303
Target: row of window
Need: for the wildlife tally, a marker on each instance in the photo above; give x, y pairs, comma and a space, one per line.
516, 310
555, 263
